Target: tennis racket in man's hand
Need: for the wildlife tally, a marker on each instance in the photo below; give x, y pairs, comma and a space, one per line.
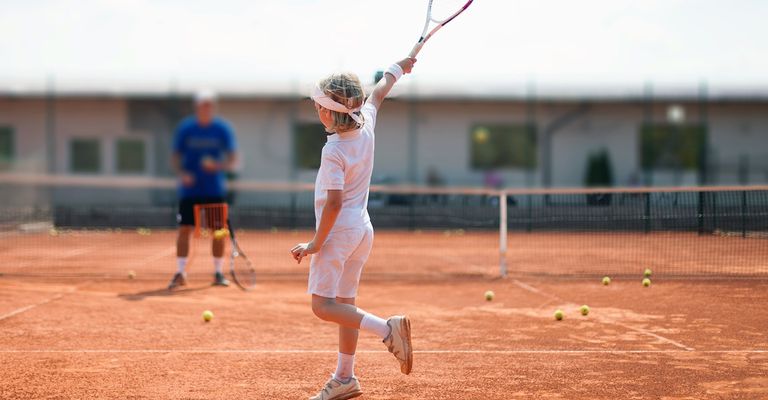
440, 12
241, 268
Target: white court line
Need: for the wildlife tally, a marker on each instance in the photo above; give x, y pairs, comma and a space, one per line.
18, 311
630, 327
31, 306
287, 351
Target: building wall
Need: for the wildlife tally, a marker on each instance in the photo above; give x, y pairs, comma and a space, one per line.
438, 133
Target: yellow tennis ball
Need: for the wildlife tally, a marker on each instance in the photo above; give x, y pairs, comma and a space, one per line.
647, 273
481, 135
207, 316
220, 234
489, 295
584, 310
559, 315
606, 281
131, 274
646, 282
208, 161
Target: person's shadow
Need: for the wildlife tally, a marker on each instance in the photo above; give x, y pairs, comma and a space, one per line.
164, 292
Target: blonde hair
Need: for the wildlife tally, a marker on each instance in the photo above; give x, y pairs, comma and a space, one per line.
345, 89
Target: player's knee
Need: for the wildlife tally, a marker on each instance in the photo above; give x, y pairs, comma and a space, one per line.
322, 308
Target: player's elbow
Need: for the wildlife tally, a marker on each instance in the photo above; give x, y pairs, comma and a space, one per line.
334, 205
334, 201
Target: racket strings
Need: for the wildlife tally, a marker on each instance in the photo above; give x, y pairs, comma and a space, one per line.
443, 10
243, 271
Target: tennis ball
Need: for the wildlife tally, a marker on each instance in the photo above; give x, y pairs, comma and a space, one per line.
647, 273
53, 232
131, 274
220, 234
606, 281
207, 315
481, 135
646, 282
559, 315
208, 162
584, 310
489, 295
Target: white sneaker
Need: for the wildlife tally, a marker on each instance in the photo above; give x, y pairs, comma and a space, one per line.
399, 342
337, 390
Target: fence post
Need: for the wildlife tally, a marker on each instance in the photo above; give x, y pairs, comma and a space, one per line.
743, 213
503, 233
647, 212
700, 215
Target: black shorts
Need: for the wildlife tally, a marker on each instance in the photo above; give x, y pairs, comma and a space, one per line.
186, 215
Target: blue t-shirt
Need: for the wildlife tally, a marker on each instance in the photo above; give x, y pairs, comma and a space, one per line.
193, 143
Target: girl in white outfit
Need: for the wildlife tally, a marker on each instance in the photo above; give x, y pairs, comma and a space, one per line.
344, 235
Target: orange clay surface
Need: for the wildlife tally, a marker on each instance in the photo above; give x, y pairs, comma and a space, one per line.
74, 326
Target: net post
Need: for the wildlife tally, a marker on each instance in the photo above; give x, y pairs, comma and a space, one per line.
503, 234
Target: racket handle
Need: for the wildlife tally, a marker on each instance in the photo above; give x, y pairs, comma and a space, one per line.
416, 49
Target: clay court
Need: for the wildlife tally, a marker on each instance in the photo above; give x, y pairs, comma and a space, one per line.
74, 326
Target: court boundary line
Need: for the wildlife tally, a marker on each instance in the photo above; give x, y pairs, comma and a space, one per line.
31, 306
298, 351
74, 289
646, 332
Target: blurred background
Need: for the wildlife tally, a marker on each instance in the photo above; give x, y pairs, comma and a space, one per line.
514, 94
508, 106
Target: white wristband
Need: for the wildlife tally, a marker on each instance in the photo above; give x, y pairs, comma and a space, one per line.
396, 71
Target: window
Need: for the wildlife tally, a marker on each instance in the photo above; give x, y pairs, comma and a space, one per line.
131, 157
309, 140
85, 155
665, 146
6, 146
503, 146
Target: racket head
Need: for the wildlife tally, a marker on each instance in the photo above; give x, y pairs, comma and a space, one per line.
241, 269
443, 11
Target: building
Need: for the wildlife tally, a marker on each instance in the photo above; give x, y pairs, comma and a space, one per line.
451, 138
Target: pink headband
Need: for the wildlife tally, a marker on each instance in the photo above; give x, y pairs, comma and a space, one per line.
324, 100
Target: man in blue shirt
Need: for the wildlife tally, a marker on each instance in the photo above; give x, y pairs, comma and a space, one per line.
204, 149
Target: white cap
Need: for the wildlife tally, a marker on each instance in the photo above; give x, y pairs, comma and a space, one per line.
205, 96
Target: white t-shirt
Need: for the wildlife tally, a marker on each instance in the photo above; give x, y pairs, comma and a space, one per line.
347, 165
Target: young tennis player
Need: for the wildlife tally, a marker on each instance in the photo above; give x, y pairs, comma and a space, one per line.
344, 235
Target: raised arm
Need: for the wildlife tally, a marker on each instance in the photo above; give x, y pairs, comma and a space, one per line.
382, 88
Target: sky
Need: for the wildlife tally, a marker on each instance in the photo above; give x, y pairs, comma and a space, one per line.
249, 44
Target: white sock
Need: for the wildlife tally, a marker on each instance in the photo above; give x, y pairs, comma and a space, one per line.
374, 324
345, 368
181, 263
217, 263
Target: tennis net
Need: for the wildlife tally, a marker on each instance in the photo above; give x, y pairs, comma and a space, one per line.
82, 226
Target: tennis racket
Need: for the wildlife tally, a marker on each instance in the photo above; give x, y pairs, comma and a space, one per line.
240, 267
440, 12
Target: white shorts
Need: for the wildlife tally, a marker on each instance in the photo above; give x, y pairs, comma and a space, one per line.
335, 270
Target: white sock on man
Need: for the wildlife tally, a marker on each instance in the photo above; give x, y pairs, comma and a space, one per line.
181, 263
345, 367
217, 263
372, 323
